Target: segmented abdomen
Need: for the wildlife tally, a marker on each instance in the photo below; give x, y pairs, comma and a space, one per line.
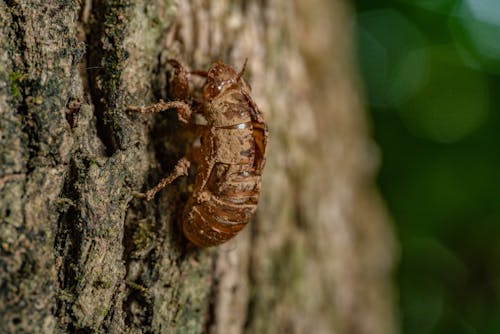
227, 204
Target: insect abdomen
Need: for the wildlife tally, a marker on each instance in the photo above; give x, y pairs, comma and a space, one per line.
230, 203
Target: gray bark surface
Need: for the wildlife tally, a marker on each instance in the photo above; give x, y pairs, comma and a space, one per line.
80, 254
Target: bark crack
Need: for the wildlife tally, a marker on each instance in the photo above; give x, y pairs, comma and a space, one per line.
105, 60
68, 241
22, 84
95, 73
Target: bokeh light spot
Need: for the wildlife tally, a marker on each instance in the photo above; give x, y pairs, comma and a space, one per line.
475, 26
392, 56
452, 105
487, 11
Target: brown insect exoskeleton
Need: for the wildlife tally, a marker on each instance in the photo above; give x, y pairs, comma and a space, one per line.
231, 156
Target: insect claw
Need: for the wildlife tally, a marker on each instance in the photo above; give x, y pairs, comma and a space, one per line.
150, 195
174, 63
138, 194
135, 109
182, 119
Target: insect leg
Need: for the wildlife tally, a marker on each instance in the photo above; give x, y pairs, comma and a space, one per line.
180, 169
200, 73
179, 84
183, 109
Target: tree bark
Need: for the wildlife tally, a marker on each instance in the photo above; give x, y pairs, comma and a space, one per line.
80, 254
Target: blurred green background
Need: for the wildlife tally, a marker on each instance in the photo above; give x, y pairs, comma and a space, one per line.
431, 70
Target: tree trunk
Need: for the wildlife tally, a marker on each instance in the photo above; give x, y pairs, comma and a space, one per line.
80, 254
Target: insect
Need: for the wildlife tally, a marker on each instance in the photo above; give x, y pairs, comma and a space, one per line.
230, 158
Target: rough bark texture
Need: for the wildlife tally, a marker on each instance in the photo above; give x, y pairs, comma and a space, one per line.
79, 254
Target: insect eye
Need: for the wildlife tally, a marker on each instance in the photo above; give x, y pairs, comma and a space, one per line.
219, 86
